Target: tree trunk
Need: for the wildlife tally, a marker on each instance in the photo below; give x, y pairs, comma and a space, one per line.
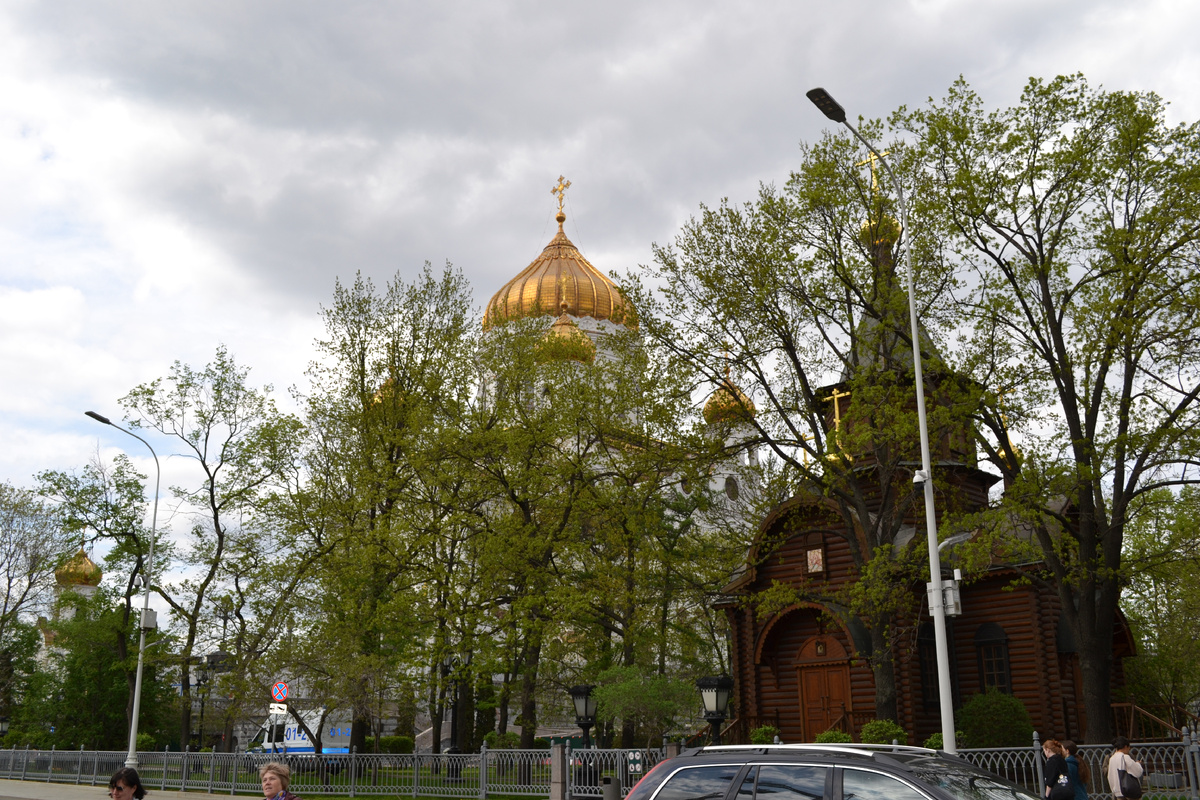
185, 712
884, 670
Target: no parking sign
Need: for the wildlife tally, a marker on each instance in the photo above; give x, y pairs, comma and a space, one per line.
279, 691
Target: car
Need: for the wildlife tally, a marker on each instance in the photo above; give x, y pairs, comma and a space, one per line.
821, 772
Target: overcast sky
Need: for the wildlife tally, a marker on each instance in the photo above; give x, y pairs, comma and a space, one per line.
181, 175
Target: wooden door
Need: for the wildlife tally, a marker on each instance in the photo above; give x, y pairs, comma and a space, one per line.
824, 696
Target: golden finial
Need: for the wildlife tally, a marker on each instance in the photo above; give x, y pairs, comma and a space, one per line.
561, 189
838, 394
871, 159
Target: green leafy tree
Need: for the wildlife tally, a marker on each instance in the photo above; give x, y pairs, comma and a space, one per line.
105, 504
1074, 218
795, 297
1162, 603
32, 544
240, 446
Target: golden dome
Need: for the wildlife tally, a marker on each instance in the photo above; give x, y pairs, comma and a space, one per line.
728, 404
78, 570
565, 342
560, 275
885, 231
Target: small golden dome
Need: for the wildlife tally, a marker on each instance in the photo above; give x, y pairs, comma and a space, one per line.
885, 231
728, 404
560, 275
565, 342
78, 570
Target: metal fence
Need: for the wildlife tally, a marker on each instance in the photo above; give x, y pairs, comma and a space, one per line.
524, 773
1171, 769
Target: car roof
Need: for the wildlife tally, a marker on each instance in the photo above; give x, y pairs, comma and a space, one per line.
904, 757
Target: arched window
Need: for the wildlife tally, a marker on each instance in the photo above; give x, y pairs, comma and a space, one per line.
814, 554
991, 648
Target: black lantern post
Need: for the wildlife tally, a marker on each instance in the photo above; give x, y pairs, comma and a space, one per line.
585, 710
715, 692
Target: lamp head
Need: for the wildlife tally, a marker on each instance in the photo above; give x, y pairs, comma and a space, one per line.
829, 107
585, 704
99, 417
715, 693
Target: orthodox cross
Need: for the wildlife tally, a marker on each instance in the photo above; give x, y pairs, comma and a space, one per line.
837, 415
561, 189
871, 159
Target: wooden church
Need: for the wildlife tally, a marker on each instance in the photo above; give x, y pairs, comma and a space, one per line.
807, 667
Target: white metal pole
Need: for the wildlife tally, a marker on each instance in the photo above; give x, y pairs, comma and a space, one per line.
937, 607
131, 758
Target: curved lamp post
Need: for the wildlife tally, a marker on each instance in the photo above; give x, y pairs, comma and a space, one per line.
924, 478
715, 693
585, 710
148, 617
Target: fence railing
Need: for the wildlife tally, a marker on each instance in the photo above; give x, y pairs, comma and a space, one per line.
523, 773
1172, 770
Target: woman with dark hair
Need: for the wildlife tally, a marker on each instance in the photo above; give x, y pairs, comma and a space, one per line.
1120, 761
1077, 767
126, 784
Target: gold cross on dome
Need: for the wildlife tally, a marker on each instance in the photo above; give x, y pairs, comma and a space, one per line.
561, 190
871, 159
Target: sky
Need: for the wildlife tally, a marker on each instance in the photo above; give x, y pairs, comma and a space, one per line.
179, 176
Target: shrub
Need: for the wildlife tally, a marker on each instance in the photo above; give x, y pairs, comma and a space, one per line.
145, 742
883, 731
934, 742
395, 744
996, 719
764, 735
502, 741
833, 736
541, 743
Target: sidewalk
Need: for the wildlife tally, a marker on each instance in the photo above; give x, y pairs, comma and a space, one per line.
37, 790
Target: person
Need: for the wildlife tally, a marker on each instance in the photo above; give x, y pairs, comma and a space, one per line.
126, 784
1121, 760
1078, 769
1055, 771
275, 780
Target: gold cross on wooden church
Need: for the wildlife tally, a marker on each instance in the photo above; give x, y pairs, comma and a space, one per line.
837, 418
560, 189
871, 159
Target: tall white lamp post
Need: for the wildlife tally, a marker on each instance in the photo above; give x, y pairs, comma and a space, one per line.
148, 620
937, 607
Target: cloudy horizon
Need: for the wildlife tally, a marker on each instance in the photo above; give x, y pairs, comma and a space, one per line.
184, 176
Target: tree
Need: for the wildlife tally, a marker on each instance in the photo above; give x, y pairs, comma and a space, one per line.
241, 444
1075, 217
1162, 603
391, 386
105, 503
794, 297
32, 545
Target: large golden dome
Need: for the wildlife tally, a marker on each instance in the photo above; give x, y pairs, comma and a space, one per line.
560, 278
78, 570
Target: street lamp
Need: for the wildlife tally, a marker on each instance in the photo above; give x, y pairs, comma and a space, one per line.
714, 693
585, 710
148, 617
923, 478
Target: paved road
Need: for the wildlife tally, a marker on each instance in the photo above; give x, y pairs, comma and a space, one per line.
37, 790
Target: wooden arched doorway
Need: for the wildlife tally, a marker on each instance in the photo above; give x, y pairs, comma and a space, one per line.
823, 673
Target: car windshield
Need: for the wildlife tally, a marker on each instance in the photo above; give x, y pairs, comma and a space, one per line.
972, 785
